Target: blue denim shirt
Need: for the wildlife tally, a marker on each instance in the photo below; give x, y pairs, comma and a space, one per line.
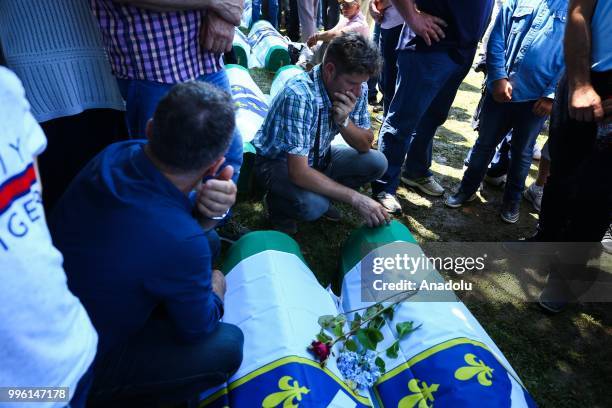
526, 46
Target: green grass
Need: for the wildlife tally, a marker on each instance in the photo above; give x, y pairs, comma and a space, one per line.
564, 360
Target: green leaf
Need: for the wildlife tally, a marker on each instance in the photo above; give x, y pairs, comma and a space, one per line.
340, 320
338, 330
326, 321
372, 310
356, 321
350, 345
380, 363
392, 351
376, 323
323, 338
364, 340
404, 329
388, 313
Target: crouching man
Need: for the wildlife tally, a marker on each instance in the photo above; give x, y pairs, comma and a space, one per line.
296, 163
142, 265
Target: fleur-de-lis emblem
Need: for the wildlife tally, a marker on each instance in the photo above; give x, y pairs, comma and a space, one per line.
289, 393
420, 395
476, 367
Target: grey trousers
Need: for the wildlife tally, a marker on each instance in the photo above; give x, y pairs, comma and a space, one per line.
307, 13
347, 167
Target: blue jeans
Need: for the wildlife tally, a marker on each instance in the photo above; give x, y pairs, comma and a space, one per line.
426, 86
272, 14
286, 200
154, 367
142, 98
388, 43
496, 120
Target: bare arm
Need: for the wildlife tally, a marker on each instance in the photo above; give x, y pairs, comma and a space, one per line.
424, 25
584, 102
358, 138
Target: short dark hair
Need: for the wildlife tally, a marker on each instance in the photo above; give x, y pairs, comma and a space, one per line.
352, 53
192, 126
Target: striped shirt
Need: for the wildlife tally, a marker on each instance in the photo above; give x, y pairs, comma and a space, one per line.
154, 46
292, 121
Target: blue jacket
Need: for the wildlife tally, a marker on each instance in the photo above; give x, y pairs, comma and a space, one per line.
526, 46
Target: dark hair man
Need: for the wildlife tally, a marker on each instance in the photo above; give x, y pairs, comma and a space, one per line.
131, 245
296, 161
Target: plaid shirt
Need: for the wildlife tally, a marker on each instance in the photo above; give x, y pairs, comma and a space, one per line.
154, 46
291, 123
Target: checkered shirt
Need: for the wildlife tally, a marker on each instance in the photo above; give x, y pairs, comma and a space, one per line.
291, 123
154, 46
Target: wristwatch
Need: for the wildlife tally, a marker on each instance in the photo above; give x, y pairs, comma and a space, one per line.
345, 124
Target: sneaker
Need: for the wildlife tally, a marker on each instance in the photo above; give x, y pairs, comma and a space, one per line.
231, 231
279, 223
428, 185
332, 214
534, 195
389, 201
458, 199
510, 212
537, 153
495, 181
606, 242
551, 303
379, 118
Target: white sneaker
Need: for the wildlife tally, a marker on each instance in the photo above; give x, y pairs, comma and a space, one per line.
606, 242
534, 195
428, 185
389, 201
495, 181
537, 153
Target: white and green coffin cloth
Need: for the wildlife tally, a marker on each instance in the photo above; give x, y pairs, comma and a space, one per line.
268, 47
276, 300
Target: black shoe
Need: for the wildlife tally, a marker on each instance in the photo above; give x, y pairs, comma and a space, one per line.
332, 214
510, 212
232, 231
458, 199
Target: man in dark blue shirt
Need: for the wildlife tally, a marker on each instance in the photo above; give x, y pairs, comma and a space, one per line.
132, 246
436, 50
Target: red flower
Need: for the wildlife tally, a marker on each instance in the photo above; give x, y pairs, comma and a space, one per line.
320, 350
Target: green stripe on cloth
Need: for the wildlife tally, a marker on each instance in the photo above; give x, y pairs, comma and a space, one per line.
260, 241
363, 240
276, 57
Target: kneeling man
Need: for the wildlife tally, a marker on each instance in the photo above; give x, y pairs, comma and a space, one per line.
296, 162
142, 265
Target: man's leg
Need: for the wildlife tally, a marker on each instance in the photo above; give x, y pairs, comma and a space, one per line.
141, 99
354, 169
410, 101
307, 13
388, 42
418, 156
233, 156
285, 200
495, 122
526, 127
153, 367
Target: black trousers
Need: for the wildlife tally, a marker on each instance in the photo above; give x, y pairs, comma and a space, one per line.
71, 142
577, 200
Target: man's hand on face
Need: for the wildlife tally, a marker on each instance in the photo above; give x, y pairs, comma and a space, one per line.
543, 107
228, 10
218, 283
342, 106
585, 104
502, 90
372, 211
426, 26
216, 196
216, 34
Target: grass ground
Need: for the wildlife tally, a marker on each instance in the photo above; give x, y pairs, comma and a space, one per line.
564, 360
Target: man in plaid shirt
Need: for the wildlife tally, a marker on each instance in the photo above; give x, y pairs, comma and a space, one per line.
296, 161
154, 44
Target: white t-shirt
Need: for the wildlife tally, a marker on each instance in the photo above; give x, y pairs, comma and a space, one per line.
46, 337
